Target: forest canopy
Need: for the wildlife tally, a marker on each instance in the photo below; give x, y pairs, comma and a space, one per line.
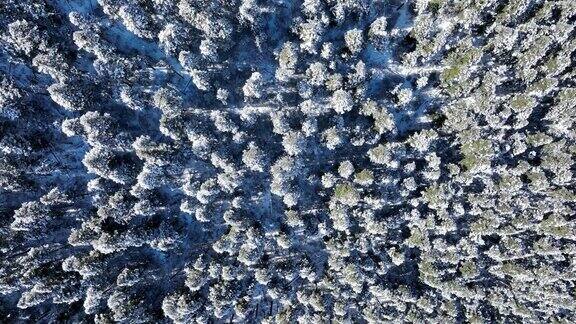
287, 161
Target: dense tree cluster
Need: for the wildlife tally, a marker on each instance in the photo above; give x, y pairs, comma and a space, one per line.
278, 161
